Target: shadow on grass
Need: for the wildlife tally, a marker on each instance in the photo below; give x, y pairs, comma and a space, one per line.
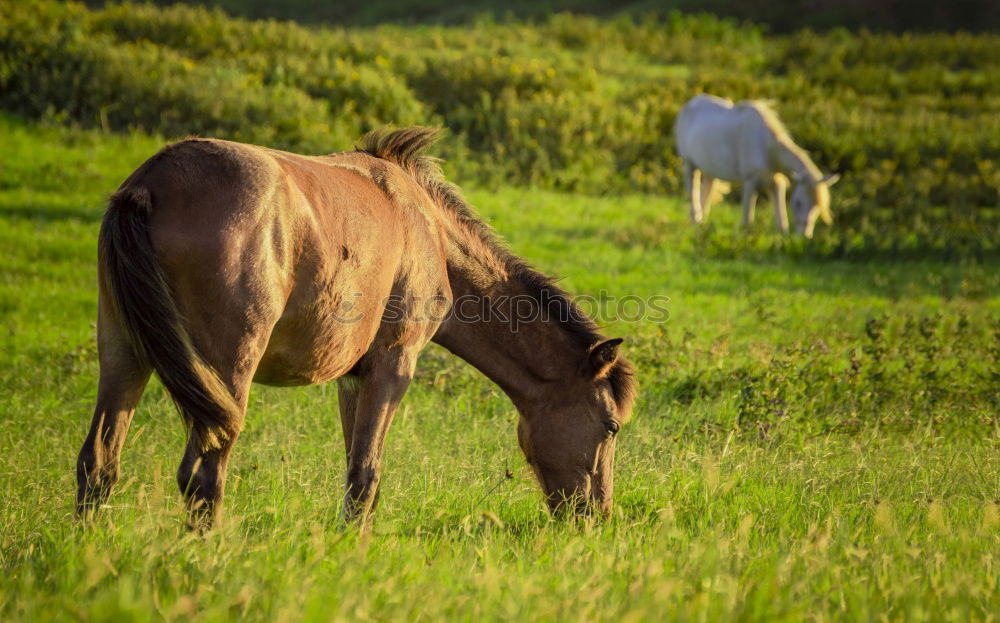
716, 260
51, 214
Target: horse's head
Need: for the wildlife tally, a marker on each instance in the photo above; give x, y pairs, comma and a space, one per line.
811, 201
568, 435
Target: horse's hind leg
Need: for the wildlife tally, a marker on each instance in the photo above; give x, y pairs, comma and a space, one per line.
202, 479
233, 347
202, 473
123, 378
692, 181
201, 476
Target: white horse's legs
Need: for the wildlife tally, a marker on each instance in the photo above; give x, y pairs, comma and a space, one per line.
749, 201
692, 180
708, 185
776, 191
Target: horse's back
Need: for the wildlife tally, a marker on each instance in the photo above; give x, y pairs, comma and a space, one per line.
294, 254
718, 137
706, 131
703, 114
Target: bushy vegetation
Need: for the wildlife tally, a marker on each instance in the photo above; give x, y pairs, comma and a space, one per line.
778, 15
814, 439
571, 103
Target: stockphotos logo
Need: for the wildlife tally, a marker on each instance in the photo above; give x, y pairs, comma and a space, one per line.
510, 310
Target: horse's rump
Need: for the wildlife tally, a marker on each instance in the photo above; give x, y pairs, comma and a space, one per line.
134, 282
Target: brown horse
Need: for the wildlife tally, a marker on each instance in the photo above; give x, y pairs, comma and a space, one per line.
222, 264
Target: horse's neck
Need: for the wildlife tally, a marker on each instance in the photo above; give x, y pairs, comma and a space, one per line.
491, 328
793, 161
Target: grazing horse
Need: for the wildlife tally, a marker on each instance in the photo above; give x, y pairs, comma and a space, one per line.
221, 264
720, 142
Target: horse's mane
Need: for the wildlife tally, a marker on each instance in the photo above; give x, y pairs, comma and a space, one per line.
765, 109
406, 148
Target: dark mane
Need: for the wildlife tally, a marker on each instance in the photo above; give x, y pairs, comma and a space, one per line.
406, 148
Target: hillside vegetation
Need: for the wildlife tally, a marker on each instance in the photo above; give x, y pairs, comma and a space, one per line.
571, 103
777, 15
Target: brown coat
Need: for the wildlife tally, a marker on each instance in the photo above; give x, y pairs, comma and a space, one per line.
222, 264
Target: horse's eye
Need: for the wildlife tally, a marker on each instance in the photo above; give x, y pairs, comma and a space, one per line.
612, 427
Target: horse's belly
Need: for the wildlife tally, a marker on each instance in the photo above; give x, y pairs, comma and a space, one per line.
319, 340
321, 356
716, 153
719, 166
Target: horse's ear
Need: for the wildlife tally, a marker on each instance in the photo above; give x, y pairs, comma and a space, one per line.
831, 179
603, 356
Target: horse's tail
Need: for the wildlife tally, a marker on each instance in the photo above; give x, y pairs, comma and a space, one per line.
139, 292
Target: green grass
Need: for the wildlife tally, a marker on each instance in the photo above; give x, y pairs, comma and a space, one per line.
868, 497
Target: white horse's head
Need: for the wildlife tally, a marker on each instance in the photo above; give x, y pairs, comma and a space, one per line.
810, 201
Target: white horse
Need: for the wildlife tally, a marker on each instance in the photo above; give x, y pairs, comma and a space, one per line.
720, 142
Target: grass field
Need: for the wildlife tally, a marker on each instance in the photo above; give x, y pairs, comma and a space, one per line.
814, 439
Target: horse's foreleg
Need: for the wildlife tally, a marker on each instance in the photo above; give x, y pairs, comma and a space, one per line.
348, 391
707, 195
749, 202
777, 196
347, 394
379, 392
123, 378
692, 181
